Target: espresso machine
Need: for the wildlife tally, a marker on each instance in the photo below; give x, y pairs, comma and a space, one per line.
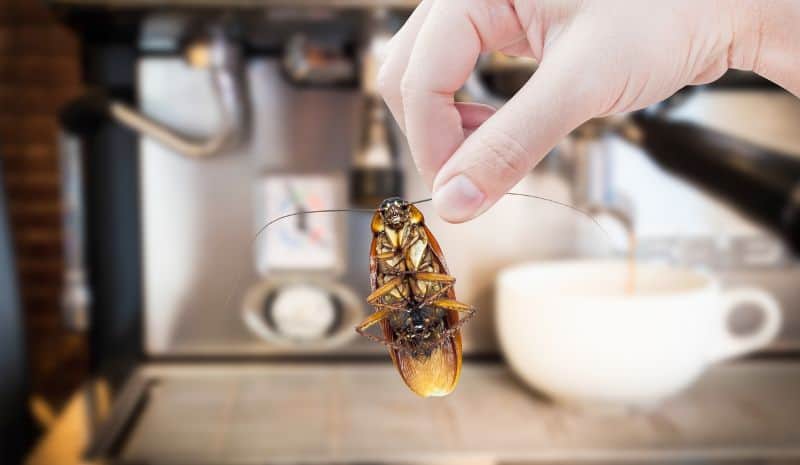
216, 340
298, 126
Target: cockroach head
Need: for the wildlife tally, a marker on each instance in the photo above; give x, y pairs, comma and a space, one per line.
394, 211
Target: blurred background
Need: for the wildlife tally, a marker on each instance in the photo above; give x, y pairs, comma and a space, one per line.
142, 146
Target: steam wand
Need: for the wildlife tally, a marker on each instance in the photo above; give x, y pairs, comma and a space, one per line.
223, 61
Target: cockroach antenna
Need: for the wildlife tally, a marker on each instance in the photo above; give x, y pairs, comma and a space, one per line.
283, 217
556, 202
416, 202
306, 212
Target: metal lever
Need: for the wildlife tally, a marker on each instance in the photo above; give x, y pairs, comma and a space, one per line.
223, 60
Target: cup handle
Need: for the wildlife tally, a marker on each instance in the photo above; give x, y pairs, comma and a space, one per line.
731, 345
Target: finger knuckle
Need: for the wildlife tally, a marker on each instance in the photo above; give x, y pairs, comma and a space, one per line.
508, 156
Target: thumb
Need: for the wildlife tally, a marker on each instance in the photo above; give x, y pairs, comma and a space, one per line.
511, 142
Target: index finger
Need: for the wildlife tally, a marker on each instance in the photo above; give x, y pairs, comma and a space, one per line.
441, 60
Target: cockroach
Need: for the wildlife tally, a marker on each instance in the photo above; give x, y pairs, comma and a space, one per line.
413, 295
414, 300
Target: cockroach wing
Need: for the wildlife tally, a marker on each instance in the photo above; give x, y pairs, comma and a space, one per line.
452, 351
433, 375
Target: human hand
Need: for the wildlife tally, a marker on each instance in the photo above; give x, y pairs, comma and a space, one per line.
596, 58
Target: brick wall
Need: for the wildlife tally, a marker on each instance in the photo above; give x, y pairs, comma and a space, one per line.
39, 71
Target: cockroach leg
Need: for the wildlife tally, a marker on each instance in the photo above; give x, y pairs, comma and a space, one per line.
432, 298
457, 327
385, 255
372, 319
446, 281
454, 305
434, 277
403, 307
382, 341
386, 288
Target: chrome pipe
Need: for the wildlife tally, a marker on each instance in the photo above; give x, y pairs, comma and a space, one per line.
224, 65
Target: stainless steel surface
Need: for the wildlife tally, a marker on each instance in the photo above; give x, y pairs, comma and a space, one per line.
75, 295
589, 153
224, 68
362, 413
199, 217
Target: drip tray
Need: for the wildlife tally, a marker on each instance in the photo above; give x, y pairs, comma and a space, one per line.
243, 414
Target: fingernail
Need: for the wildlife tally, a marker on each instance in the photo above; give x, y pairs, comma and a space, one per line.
458, 200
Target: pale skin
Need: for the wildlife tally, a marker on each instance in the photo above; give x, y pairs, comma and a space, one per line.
597, 58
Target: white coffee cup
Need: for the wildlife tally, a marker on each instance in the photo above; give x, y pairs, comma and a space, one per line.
572, 330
